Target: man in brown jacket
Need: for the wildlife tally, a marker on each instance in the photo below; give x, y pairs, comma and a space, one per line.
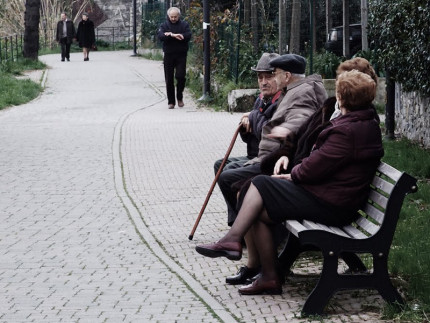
303, 96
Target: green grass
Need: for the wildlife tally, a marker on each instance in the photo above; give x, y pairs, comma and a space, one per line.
409, 260
14, 91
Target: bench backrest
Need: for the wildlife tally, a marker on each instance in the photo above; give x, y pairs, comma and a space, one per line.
380, 214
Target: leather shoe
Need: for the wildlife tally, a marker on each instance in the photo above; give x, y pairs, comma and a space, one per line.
258, 287
242, 275
180, 103
171, 106
230, 250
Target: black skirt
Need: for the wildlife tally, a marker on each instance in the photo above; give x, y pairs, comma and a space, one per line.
284, 200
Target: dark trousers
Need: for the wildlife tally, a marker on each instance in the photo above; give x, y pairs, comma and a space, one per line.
65, 48
230, 176
175, 67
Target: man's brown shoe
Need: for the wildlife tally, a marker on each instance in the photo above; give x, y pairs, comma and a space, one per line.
258, 287
171, 106
180, 103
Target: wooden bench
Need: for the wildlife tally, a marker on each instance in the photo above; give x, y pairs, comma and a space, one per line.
372, 233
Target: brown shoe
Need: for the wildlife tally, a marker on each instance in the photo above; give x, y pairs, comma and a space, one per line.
258, 287
230, 250
171, 106
180, 103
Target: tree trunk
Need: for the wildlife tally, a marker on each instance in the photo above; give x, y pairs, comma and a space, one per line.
31, 31
282, 27
364, 15
254, 25
295, 27
346, 49
314, 27
247, 12
328, 19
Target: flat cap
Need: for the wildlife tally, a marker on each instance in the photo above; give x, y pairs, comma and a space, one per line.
263, 64
290, 62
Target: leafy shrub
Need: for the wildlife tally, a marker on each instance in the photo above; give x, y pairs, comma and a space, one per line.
401, 34
326, 63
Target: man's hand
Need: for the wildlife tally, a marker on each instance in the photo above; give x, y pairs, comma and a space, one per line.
177, 36
280, 165
279, 133
245, 122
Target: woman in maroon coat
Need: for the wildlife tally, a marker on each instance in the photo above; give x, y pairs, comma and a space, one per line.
328, 186
85, 35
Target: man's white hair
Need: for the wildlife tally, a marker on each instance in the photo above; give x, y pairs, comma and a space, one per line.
176, 9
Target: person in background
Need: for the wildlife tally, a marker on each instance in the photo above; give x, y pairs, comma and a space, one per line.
65, 35
175, 35
85, 35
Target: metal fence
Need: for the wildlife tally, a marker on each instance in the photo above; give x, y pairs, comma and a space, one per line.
11, 47
153, 15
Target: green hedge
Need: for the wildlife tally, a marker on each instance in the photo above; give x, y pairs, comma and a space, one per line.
401, 38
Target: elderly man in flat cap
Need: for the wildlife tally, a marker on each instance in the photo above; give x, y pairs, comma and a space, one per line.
252, 122
302, 96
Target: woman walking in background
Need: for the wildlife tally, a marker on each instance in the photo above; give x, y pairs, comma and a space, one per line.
85, 35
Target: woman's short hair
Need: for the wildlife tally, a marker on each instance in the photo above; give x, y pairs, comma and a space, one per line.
360, 64
357, 90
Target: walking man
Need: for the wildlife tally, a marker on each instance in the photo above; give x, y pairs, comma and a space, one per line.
175, 35
65, 34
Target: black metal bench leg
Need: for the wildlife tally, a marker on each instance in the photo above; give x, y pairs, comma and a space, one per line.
353, 261
325, 288
383, 282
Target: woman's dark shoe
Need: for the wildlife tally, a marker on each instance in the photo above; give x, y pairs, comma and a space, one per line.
258, 287
230, 250
242, 276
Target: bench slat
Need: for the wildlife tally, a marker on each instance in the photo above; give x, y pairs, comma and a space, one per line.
382, 184
389, 171
294, 227
354, 232
374, 213
319, 226
367, 226
378, 198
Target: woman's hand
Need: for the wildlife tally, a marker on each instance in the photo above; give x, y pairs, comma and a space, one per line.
280, 165
284, 176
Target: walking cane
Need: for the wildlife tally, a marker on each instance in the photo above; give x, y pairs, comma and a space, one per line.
218, 173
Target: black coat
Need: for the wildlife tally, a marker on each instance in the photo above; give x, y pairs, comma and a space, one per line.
172, 45
70, 31
85, 35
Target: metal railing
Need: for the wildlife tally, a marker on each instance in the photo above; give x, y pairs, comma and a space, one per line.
11, 47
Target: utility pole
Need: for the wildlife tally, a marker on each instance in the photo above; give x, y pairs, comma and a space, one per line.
134, 28
206, 51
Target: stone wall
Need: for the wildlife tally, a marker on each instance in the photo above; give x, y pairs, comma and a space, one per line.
412, 116
119, 16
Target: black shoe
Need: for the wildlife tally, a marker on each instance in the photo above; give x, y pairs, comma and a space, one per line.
242, 275
68, 59
62, 59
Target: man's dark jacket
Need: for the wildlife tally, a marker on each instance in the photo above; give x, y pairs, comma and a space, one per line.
172, 45
71, 33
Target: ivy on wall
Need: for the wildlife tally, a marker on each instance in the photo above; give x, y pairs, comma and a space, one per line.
401, 38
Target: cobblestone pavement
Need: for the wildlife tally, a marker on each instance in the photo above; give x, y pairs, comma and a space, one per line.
100, 185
